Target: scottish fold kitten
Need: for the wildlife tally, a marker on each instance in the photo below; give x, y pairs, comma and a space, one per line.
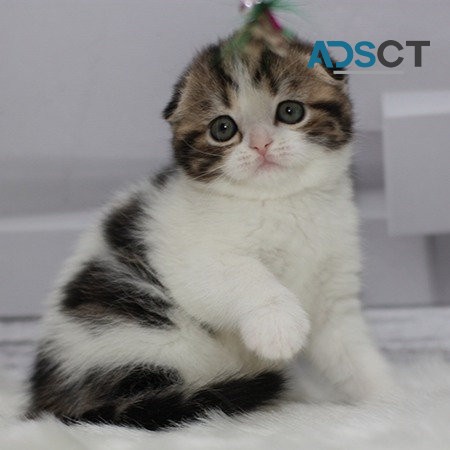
196, 290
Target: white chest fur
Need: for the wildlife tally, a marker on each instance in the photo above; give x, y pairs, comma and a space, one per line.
292, 236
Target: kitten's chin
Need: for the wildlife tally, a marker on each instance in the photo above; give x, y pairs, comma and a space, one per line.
268, 180
260, 171
268, 173
259, 188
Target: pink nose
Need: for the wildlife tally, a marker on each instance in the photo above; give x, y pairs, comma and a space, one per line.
260, 142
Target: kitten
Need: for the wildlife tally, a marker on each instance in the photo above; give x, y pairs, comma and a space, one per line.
195, 290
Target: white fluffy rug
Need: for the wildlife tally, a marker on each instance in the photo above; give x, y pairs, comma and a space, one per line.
418, 418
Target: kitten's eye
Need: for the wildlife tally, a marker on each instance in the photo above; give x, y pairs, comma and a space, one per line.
223, 128
290, 112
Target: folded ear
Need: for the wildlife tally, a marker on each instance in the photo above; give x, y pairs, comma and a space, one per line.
320, 58
337, 76
328, 75
172, 106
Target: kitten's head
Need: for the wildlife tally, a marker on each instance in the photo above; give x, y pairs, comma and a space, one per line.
259, 120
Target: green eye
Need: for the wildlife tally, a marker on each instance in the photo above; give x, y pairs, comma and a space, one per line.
290, 112
223, 128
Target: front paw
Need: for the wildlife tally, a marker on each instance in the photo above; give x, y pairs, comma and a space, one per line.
277, 330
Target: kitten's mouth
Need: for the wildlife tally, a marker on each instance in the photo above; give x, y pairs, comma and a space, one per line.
266, 165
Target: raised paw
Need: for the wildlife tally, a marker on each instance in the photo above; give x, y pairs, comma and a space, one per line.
277, 330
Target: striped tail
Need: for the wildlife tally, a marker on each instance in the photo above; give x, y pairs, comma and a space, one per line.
168, 409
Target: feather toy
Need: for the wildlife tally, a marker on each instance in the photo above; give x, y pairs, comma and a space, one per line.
262, 26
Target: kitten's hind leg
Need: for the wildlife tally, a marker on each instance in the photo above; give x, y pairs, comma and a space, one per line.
341, 349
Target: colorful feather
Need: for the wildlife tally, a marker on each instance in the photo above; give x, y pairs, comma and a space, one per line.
262, 25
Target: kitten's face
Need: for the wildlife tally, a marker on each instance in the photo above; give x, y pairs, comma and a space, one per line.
254, 120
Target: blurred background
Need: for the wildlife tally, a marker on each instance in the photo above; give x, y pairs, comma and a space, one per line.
82, 85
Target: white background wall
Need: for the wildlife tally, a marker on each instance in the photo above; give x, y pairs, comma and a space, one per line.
82, 85
90, 77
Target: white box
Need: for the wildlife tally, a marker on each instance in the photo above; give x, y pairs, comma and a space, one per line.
416, 140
